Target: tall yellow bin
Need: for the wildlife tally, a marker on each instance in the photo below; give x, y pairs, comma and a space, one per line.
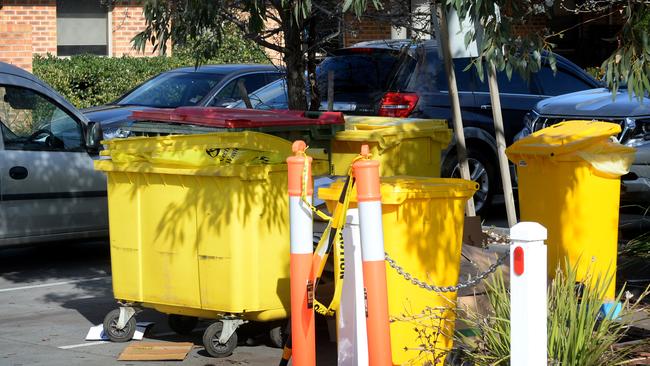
403, 146
423, 228
569, 181
199, 224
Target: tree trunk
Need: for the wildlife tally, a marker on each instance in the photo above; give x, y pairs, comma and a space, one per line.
294, 60
459, 132
504, 166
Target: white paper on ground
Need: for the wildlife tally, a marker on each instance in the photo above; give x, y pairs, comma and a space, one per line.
96, 333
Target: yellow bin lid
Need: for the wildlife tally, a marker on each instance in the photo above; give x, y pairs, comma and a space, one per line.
364, 128
395, 190
564, 138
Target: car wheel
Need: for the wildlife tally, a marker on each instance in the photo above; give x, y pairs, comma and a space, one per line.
481, 170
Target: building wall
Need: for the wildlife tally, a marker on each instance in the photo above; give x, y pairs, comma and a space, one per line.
127, 21
40, 18
30, 26
360, 30
16, 45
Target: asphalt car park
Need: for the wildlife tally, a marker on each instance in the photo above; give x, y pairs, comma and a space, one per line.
53, 293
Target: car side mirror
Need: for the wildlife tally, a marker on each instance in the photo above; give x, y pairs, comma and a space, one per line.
94, 136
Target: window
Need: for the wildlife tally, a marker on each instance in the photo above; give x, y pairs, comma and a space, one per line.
428, 74
29, 121
362, 71
81, 27
172, 89
515, 85
560, 83
230, 93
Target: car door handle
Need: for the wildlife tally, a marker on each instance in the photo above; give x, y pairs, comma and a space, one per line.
18, 172
486, 106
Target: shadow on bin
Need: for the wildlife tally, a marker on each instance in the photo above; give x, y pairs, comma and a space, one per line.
423, 226
199, 224
569, 181
403, 146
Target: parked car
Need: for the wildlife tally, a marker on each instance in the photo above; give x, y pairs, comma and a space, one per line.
208, 86
402, 79
49, 189
597, 104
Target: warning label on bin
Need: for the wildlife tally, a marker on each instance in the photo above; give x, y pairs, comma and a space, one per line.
242, 156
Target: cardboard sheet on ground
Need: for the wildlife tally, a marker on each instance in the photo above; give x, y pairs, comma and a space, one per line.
97, 333
156, 351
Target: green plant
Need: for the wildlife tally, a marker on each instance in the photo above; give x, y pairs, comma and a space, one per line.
578, 335
88, 80
637, 247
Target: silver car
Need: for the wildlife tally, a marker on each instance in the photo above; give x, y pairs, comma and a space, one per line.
49, 189
597, 104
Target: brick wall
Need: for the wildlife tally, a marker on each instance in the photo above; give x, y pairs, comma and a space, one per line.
128, 21
16, 45
359, 30
536, 24
40, 15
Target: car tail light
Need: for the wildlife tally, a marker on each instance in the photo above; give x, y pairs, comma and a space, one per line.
398, 104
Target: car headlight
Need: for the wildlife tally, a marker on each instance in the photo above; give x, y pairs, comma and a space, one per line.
636, 131
116, 133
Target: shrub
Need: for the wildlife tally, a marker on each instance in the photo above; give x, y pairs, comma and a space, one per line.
89, 80
577, 334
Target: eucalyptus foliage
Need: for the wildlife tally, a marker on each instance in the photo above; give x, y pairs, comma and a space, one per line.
504, 40
199, 25
498, 26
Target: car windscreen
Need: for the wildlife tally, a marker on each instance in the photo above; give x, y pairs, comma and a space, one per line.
172, 89
358, 72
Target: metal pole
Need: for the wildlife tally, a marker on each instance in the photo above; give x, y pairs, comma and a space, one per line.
461, 148
504, 167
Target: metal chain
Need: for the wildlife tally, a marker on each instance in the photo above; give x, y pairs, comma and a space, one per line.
469, 283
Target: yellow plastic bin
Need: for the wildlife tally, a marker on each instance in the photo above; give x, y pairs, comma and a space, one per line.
404, 146
423, 229
569, 181
197, 235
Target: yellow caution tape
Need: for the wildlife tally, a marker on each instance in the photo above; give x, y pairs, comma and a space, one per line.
332, 239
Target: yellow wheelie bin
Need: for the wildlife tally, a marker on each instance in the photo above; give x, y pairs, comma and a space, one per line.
403, 146
423, 228
569, 181
199, 229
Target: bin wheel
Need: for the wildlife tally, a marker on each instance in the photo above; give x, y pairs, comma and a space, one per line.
118, 335
277, 336
211, 341
182, 324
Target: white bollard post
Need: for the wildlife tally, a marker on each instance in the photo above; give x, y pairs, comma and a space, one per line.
528, 303
352, 339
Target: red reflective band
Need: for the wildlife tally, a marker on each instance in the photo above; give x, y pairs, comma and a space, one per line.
398, 104
519, 261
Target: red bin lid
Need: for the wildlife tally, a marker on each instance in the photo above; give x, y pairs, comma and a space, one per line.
155, 114
236, 118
